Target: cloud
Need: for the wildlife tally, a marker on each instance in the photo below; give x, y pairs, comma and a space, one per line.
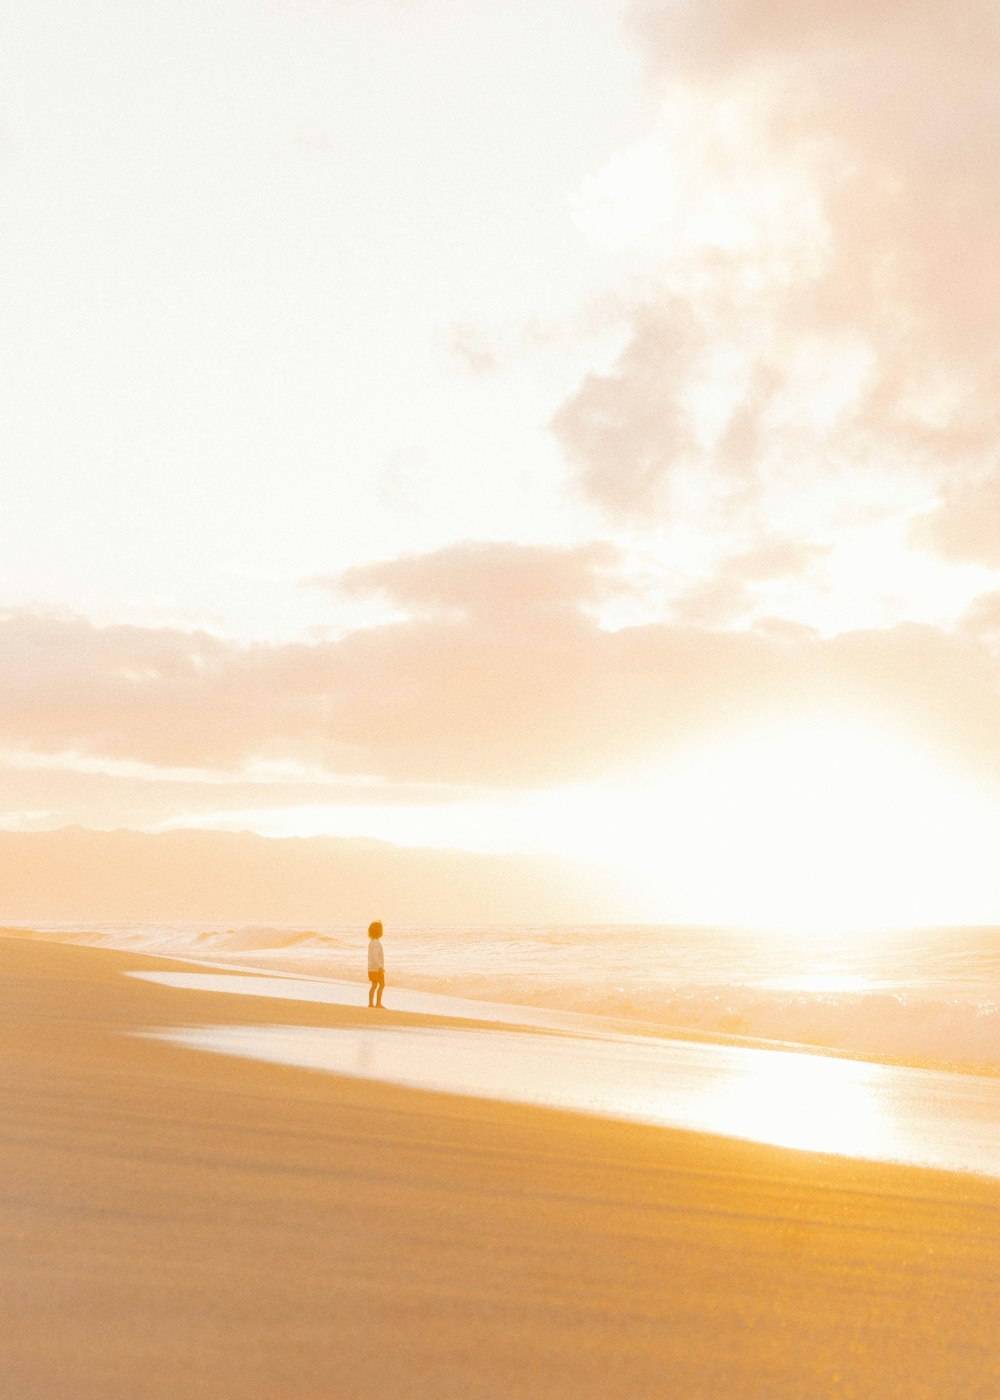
965, 527
739, 585
500, 676
121, 691
491, 577
627, 430
470, 348
982, 620
819, 343
719, 37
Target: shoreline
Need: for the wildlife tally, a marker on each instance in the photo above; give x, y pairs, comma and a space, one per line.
192, 1225
426, 999
758, 1092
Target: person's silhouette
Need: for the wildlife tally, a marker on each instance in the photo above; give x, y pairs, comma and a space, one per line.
376, 964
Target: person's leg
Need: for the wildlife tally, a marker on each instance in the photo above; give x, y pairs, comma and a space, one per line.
381, 984
371, 989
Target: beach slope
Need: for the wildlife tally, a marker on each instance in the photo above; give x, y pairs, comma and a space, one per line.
202, 1227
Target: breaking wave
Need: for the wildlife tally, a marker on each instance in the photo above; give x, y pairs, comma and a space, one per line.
921, 998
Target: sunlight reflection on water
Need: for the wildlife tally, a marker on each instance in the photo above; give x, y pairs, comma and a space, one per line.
811, 1102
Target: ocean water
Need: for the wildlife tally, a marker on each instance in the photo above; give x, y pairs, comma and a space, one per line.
924, 998
807, 1101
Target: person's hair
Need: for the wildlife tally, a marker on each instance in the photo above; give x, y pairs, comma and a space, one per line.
375, 929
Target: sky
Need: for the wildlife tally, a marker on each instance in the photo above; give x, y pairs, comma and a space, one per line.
512, 427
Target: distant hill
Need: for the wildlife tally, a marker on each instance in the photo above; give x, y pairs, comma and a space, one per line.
79, 874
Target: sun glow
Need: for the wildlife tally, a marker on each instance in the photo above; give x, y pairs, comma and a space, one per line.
826, 823
811, 1102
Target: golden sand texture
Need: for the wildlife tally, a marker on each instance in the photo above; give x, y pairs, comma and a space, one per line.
199, 1227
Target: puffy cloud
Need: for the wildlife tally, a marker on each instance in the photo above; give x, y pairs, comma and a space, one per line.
821, 343
154, 694
627, 429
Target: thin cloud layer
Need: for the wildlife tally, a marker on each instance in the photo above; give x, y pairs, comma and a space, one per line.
518, 688
966, 525
489, 577
818, 349
738, 583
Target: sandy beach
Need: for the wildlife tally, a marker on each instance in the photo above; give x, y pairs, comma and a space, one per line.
191, 1225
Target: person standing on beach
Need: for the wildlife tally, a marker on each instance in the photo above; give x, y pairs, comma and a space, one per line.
376, 964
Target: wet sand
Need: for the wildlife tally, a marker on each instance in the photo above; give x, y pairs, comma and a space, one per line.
188, 1225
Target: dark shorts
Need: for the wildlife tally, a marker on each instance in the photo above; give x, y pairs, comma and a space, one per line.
377, 979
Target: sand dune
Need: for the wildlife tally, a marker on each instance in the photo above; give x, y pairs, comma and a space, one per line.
185, 1225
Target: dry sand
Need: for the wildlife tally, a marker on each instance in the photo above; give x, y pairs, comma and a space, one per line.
175, 1224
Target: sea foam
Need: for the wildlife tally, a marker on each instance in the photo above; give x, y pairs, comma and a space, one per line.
922, 997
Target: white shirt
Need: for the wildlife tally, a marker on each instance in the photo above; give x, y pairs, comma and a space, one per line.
376, 958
